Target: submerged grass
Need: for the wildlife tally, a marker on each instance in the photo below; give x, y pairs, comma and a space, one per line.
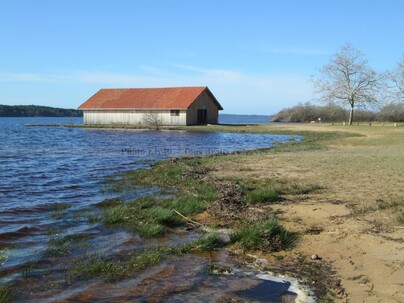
59, 210
130, 263
7, 294
154, 215
61, 246
97, 267
3, 256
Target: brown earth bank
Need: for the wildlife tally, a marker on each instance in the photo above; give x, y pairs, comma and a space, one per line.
354, 224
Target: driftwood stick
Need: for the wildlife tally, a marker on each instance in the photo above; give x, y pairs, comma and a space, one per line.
186, 218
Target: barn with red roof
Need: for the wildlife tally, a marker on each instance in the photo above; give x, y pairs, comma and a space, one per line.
141, 106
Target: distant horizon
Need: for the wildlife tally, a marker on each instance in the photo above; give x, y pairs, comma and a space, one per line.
220, 113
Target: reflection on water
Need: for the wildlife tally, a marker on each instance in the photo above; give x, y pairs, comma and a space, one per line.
50, 180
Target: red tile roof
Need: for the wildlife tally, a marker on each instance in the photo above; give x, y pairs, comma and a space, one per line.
146, 98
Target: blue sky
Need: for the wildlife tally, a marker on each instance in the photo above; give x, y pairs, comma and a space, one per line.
255, 56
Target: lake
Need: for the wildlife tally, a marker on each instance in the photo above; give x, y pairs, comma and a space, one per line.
50, 178
243, 119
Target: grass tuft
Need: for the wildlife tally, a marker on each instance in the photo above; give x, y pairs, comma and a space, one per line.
396, 206
110, 203
142, 260
262, 195
298, 189
98, 267
150, 230
267, 236
187, 205
165, 217
206, 243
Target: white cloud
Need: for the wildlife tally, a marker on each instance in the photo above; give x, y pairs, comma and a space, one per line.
237, 91
24, 77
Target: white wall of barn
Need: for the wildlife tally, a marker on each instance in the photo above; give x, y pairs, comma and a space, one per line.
136, 117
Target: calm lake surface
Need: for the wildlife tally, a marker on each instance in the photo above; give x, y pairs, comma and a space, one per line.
49, 175
243, 119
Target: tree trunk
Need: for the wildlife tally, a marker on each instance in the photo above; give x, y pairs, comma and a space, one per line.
351, 115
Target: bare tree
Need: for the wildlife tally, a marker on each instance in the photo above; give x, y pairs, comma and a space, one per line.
347, 79
396, 81
152, 120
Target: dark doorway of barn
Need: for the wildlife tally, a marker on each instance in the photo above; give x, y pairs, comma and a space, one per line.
202, 116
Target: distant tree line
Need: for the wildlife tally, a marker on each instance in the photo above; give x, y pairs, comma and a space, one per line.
37, 111
348, 80
331, 112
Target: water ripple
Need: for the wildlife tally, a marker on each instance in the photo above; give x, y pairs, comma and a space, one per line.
44, 167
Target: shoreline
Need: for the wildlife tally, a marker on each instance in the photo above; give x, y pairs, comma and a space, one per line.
354, 228
198, 168
321, 188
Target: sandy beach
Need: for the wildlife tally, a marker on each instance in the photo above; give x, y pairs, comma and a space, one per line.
355, 223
